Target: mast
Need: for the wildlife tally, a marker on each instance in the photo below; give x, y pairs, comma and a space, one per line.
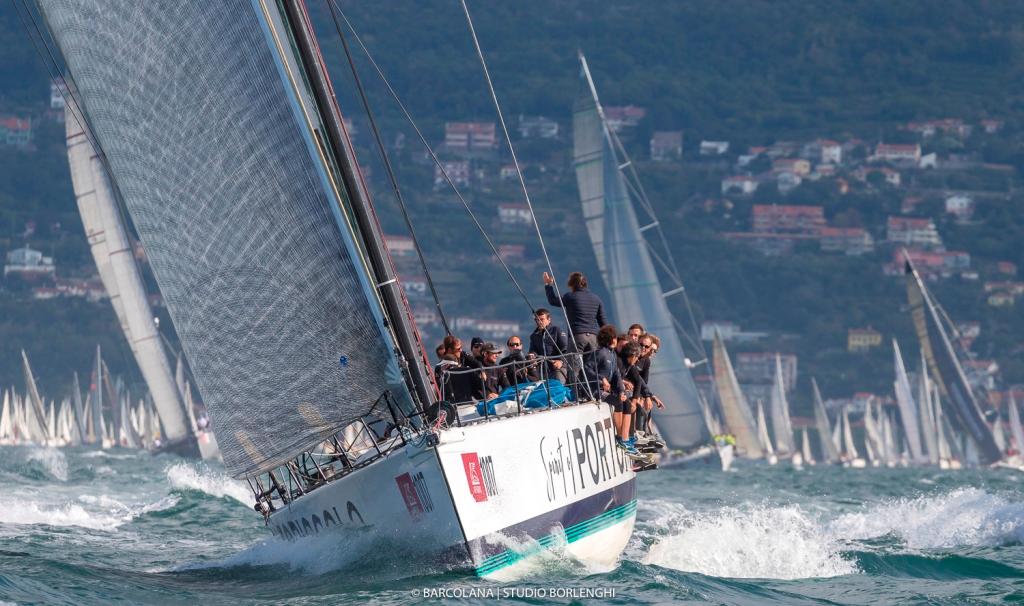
781, 424
395, 305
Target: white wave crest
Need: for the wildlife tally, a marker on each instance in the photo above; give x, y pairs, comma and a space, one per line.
962, 517
51, 459
749, 541
97, 513
200, 477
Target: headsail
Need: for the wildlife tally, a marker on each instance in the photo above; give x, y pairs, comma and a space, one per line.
1015, 427
214, 142
738, 418
945, 369
628, 270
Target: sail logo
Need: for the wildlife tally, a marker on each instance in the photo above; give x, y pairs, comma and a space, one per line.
583, 457
474, 476
415, 494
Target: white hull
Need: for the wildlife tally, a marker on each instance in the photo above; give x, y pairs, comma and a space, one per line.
496, 493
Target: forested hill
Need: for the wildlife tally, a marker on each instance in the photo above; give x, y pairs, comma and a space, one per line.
749, 72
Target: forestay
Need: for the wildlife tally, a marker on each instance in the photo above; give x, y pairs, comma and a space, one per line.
628, 270
203, 117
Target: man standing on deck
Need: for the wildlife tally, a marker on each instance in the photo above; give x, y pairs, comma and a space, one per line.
586, 316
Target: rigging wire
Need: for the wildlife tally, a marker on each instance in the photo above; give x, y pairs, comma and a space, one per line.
388, 168
522, 183
433, 155
519, 171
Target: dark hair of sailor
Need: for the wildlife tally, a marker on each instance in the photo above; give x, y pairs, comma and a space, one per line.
606, 335
577, 280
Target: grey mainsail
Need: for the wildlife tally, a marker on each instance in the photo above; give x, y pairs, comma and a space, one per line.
628, 270
212, 137
965, 412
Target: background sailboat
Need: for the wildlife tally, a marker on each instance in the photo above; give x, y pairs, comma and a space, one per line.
627, 265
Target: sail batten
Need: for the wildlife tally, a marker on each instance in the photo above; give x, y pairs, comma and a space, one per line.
215, 153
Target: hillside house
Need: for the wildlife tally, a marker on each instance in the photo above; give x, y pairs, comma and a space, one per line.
537, 127
912, 231
28, 263
458, 171
470, 136
991, 127
415, 286
1001, 299
787, 181
739, 184
1007, 267
514, 214
960, 205
15, 131
859, 340
626, 116
898, 153
851, 241
777, 218
831, 152
714, 148
797, 166
400, 246
666, 145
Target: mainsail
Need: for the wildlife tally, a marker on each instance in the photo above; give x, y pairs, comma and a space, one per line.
215, 141
829, 450
115, 259
965, 413
908, 408
628, 270
782, 427
738, 418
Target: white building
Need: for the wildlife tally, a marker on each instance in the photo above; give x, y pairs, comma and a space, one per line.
740, 184
713, 148
28, 263
960, 205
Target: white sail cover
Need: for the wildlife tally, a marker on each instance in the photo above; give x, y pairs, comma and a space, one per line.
629, 272
738, 418
209, 136
120, 275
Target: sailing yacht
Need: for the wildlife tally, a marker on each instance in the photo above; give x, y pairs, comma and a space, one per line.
782, 427
762, 434
737, 418
963, 409
221, 131
627, 264
850, 456
827, 438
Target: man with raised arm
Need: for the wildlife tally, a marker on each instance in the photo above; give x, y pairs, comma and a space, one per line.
585, 312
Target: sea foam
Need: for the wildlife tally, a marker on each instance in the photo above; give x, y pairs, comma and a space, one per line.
97, 513
961, 517
749, 541
52, 460
199, 477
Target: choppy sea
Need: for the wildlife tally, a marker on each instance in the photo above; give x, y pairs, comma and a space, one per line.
87, 527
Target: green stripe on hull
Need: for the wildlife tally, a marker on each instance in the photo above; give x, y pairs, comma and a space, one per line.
572, 534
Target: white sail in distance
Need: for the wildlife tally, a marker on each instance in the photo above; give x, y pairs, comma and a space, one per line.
629, 273
739, 421
829, 447
907, 406
782, 427
115, 258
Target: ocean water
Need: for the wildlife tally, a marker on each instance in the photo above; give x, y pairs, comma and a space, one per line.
84, 527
